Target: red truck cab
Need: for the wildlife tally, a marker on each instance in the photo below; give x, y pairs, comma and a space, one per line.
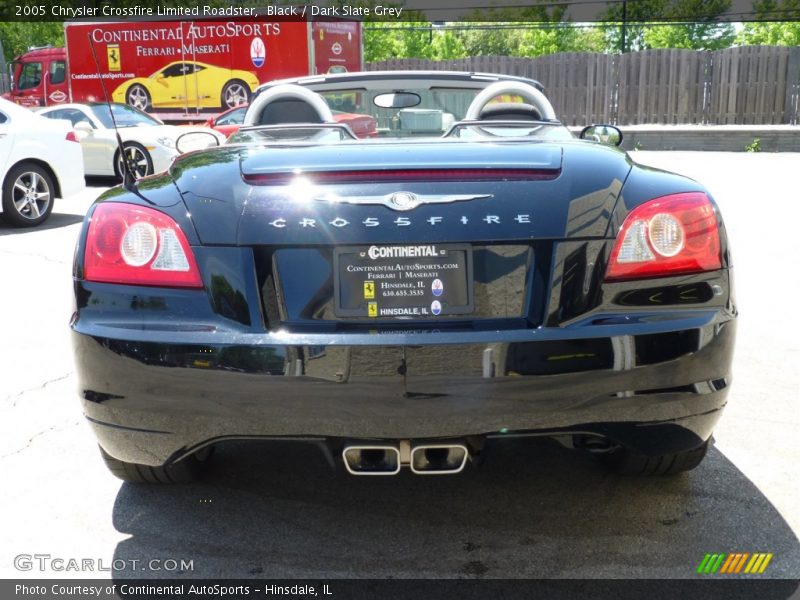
39, 78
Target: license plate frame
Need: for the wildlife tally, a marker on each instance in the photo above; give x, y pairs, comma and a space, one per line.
450, 264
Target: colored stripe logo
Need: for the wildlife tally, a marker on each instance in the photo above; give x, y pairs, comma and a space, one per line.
734, 563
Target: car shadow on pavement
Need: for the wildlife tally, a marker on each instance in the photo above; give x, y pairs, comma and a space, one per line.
532, 509
54, 221
102, 181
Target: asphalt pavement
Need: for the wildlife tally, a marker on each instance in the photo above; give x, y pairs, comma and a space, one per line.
532, 509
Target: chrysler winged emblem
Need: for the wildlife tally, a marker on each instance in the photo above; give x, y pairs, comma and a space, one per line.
402, 200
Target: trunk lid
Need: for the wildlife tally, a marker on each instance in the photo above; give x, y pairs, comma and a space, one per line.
449, 192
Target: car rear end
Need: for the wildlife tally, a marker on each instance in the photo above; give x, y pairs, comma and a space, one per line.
65, 155
400, 314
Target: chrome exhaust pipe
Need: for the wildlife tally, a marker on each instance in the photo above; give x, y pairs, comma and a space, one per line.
371, 460
439, 459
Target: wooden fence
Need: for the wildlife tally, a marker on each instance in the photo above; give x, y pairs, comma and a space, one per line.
757, 85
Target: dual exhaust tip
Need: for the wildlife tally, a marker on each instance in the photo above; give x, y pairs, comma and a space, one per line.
425, 459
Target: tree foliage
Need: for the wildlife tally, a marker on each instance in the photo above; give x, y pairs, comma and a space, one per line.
692, 36
781, 32
539, 30
17, 37
526, 31
696, 25
461, 40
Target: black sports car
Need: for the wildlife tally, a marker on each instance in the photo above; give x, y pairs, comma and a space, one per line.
473, 272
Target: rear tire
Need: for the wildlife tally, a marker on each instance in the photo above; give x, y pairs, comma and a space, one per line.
28, 195
185, 471
629, 462
139, 157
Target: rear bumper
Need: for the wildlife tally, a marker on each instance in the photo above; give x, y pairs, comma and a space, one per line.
657, 386
70, 177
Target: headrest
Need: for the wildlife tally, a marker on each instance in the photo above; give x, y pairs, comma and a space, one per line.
288, 103
509, 111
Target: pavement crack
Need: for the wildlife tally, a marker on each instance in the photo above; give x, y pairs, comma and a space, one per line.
37, 435
41, 256
15, 397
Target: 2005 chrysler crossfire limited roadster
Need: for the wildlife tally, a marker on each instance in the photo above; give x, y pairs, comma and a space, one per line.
473, 272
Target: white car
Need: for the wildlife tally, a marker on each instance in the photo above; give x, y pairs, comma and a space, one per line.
40, 160
149, 144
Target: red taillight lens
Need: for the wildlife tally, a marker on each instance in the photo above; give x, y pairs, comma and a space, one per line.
667, 236
138, 246
72, 137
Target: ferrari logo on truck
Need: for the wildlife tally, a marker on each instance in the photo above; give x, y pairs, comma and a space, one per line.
112, 51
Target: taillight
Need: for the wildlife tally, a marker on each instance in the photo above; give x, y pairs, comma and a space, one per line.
667, 236
72, 137
136, 245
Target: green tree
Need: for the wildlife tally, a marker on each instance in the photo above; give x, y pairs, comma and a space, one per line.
489, 39
527, 31
488, 33
781, 32
447, 45
696, 25
693, 36
560, 38
17, 37
382, 42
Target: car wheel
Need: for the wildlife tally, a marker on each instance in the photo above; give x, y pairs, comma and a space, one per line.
629, 462
27, 195
138, 97
138, 158
185, 471
235, 93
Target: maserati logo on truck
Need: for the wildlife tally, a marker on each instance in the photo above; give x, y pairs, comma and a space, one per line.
258, 52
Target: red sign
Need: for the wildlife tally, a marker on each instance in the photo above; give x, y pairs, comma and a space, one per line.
186, 66
168, 65
337, 46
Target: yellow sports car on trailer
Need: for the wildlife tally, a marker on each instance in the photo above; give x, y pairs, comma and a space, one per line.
187, 83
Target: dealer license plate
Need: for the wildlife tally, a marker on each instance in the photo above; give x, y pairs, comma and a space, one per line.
415, 281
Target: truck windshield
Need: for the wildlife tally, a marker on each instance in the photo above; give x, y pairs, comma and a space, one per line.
124, 115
